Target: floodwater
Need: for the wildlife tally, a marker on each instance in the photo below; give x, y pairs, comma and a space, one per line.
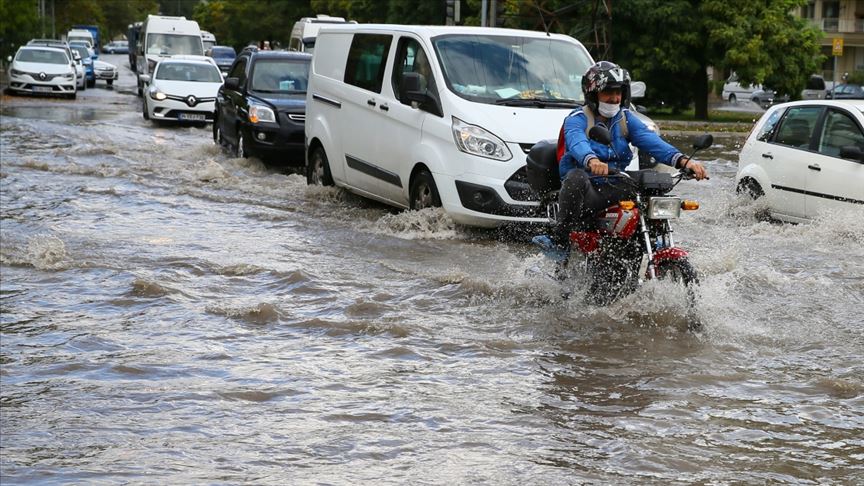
171, 314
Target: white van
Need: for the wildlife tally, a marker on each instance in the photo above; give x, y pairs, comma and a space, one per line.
306, 29
161, 37
208, 39
81, 35
418, 116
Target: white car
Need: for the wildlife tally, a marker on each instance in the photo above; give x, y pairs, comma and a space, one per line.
41, 69
105, 71
806, 158
182, 90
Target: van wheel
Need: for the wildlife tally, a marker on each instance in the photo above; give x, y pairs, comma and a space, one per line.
733, 99
318, 169
424, 193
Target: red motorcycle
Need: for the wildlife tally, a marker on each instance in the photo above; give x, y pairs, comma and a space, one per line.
632, 240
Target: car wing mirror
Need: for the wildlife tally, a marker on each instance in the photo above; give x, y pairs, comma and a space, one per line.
232, 83
852, 152
145, 78
600, 134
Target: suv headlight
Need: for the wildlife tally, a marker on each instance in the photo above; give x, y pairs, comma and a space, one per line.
261, 114
664, 208
474, 140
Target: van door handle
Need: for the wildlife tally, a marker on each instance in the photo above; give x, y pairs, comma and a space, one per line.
814, 167
370, 102
384, 107
767, 156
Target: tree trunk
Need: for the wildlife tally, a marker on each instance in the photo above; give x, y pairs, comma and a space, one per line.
700, 94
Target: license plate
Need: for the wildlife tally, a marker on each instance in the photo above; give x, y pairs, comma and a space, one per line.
192, 117
43, 89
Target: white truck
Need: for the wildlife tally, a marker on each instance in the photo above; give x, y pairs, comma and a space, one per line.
162, 37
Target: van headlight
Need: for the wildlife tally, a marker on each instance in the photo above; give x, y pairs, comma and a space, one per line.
261, 114
664, 208
474, 140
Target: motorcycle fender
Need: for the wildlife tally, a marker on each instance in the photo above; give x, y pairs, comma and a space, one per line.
669, 254
586, 241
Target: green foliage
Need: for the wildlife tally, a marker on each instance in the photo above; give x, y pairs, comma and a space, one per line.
20, 24
855, 78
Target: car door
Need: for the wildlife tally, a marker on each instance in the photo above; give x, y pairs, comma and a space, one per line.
363, 139
834, 182
400, 120
230, 99
785, 159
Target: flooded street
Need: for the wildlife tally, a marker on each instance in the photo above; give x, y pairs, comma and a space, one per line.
171, 314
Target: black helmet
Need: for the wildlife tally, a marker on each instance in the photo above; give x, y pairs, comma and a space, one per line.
605, 75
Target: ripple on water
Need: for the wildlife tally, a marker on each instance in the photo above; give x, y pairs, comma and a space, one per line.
259, 313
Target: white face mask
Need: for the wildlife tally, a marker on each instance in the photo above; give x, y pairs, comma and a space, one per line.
609, 110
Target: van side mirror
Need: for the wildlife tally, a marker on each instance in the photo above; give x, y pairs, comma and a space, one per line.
852, 152
600, 135
410, 89
232, 83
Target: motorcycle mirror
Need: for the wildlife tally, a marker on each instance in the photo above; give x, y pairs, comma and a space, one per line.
600, 134
703, 141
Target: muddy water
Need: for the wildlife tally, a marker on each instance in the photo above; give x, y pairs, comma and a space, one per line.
173, 314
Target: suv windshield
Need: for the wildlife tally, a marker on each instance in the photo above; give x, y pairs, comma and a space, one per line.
280, 76
184, 71
512, 70
223, 53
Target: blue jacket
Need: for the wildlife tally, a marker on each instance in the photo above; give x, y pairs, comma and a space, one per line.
579, 149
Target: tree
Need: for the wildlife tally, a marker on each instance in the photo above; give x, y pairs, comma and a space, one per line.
20, 24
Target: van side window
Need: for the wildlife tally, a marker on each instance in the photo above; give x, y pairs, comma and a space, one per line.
239, 70
411, 58
839, 131
796, 129
367, 59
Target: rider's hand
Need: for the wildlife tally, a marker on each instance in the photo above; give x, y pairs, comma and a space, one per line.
598, 168
698, 169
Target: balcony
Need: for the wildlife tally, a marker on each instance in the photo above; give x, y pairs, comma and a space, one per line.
839, 25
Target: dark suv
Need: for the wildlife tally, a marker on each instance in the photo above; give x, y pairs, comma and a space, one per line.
261, 107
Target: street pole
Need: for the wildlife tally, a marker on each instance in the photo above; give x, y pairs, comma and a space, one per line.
484, 12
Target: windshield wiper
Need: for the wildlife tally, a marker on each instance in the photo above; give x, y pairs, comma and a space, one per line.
538, 102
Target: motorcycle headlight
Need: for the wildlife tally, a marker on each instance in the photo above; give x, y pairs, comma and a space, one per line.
261, 114
474, 140
664, 208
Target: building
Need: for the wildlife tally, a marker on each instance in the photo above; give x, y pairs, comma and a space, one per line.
842, 22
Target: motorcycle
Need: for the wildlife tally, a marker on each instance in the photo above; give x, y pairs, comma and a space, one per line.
631, 241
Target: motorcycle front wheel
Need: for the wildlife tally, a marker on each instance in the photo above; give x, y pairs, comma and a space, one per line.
681, 272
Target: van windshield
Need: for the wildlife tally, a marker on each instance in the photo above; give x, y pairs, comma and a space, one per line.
510, 69
171, 44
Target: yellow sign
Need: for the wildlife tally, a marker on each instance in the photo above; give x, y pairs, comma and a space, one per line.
837, 47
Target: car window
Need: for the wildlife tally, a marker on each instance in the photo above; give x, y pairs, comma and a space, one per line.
43, 55
280, 75
367, 60
839, 131
768, 128
199, 73
411, 58
239, 70
797, 126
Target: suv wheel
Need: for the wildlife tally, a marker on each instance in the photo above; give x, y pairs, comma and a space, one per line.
241, 149
318, 170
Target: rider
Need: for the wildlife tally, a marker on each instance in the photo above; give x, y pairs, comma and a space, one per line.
583, 163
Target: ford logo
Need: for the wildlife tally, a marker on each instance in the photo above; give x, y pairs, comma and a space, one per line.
191, 100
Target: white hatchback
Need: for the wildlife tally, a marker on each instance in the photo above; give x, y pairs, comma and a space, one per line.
806, 158
182, 89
